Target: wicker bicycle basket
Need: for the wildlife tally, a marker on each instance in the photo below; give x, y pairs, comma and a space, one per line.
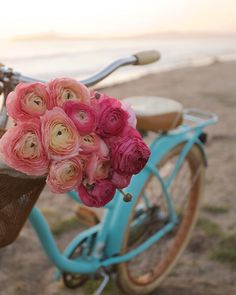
17, 198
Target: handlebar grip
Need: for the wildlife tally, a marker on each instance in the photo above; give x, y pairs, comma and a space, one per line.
147, 57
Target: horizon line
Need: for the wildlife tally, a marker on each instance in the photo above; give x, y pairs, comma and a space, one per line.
56, 35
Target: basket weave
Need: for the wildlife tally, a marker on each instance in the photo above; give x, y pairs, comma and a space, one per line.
17, 198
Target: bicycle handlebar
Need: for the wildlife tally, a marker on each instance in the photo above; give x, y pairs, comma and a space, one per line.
140, 58
102, 74
147, 57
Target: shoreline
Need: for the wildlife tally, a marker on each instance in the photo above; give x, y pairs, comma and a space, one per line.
194, 63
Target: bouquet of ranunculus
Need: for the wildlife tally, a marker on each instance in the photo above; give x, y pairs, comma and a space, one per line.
79, 140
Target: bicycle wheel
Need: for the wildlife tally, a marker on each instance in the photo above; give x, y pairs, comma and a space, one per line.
145, 272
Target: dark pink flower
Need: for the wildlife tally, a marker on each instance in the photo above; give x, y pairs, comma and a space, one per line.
21, 148
83, 116
27, 101
112, 118
129, 155
127, 132
97, 196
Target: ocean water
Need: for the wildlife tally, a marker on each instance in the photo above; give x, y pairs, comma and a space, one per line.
81, 58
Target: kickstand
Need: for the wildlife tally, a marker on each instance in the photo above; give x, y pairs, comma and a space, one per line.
105, 281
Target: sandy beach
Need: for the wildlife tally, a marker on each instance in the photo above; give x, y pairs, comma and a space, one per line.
208, 266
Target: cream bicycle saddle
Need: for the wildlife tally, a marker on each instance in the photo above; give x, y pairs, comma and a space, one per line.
157, 114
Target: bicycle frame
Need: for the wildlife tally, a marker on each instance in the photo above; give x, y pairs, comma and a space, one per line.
110, 232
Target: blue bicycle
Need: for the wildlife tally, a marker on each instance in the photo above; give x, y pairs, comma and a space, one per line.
139, 241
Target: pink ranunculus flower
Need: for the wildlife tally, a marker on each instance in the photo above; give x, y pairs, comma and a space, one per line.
83, 116
21, 148
95, 101
91, 143
120, 180
112, 118
127, 132
84, 159
129, 155
97, 98
97, 168
59, 134
27, 101
64, 175
98, 195
132, 121
103, 150
64, 89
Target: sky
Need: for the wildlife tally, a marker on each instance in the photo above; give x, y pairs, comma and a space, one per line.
102, 18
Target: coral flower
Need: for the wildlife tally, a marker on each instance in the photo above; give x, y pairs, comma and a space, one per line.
21, 149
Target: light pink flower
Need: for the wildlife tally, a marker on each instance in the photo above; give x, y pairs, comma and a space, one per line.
59, 134
64, 89
29, 100
94, 103
64, 175
97, 168
132, 121
103, 150
84, 159
129, 155
112, 118
92, 143
89, 143
21, 148
98, 195
83, 116
120, 180
97, 98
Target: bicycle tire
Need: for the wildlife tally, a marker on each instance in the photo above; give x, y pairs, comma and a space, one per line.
147, 283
